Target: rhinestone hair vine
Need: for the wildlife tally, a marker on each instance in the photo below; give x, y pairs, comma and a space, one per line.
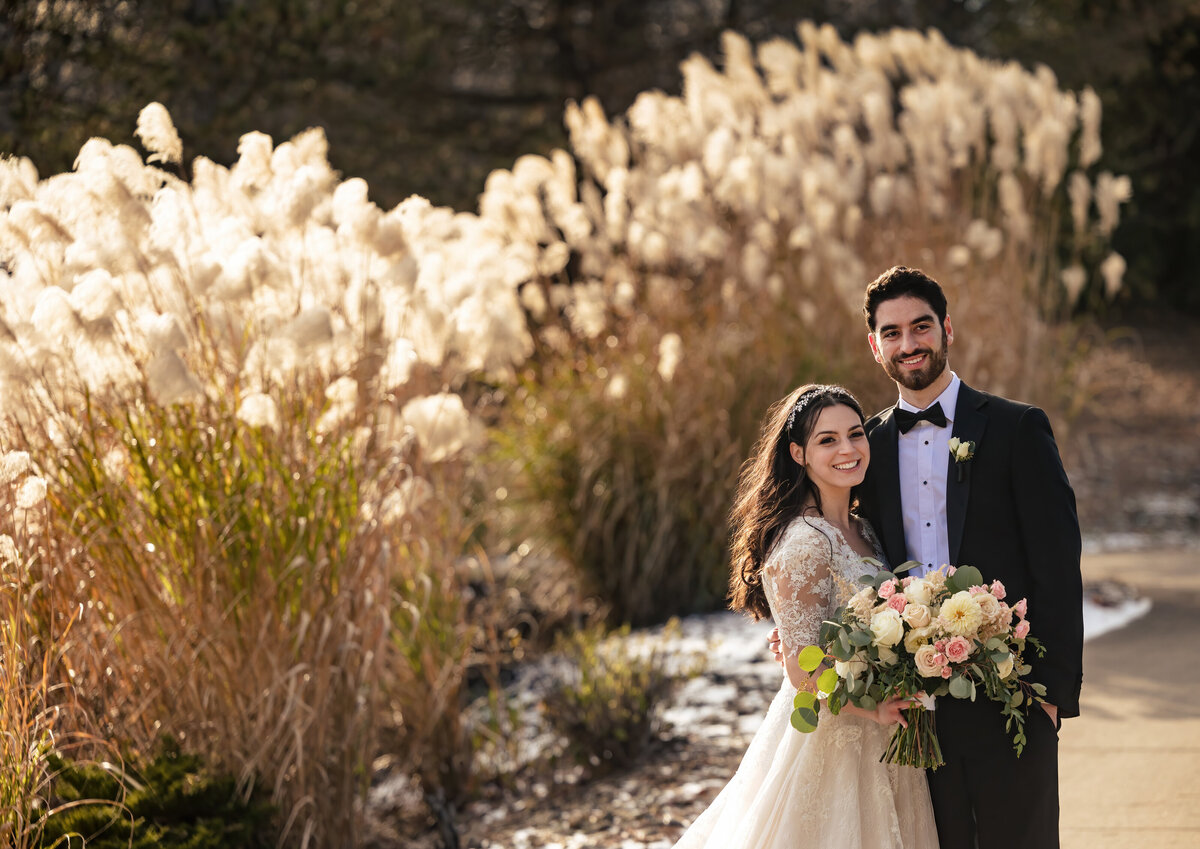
803, 401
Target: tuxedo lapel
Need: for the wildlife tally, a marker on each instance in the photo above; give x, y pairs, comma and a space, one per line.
969, 424
885, 458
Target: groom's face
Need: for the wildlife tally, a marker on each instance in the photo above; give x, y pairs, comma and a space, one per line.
909, 342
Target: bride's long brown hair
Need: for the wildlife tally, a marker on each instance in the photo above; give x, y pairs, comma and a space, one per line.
773, 489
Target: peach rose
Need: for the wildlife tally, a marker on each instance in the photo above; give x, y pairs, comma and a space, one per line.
926, 658
916, 615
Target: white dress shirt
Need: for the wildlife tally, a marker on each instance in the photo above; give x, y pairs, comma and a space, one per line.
924, 457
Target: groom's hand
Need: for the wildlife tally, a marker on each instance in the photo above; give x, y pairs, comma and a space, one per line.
1052, 712
775, 645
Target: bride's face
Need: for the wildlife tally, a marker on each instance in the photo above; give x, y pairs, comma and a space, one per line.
837, 451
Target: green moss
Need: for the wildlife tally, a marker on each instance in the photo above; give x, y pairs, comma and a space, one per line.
172, 801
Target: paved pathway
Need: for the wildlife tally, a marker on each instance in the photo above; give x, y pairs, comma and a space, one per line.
1130, 764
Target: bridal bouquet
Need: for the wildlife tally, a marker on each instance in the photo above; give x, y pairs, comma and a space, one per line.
946, 633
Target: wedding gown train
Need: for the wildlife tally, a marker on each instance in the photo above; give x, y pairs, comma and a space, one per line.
827, 789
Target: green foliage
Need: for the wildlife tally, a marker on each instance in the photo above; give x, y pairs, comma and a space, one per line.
608, 706
173, 801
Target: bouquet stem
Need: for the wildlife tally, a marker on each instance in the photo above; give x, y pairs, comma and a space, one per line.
917, 745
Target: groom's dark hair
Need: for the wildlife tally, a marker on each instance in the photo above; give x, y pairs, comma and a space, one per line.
899, 281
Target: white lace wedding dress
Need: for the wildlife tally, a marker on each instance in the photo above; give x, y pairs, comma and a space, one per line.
827, 789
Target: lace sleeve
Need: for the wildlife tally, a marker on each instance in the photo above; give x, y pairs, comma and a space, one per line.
798, 585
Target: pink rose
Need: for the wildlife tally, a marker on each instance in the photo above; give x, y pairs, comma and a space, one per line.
940, 659
946, 673
1022, 629
958, 649
1020, 608
976, 590
888, 589
939, 644
897, 602
908, 579
998, 590
950, 570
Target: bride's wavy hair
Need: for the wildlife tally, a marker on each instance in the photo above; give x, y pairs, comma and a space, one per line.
773, 488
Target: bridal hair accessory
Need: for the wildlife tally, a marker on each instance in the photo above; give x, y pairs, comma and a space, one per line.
961, 452
803, 401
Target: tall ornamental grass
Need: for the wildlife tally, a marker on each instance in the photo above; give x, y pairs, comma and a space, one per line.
702, 254
238, 388
40, 718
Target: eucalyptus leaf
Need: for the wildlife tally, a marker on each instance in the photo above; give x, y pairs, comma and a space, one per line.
827, 681
861, 638
867, 703
804, 700
906, 566
1024, 669
804, 721
844, 641
810, 658
966, 576
1040, 689
1017, 699
960, 687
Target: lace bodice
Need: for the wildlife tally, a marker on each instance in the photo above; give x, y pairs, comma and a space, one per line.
810, 572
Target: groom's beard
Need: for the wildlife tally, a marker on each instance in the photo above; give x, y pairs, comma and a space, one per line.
922, 377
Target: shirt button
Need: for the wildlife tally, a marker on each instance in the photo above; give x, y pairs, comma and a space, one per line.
924, 483
927, 524
926, 441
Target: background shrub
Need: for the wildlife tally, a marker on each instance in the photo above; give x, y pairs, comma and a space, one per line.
608, 704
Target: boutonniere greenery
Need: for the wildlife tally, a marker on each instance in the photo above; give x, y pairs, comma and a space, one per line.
962, 452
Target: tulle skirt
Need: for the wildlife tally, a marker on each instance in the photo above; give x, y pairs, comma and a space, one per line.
824, 790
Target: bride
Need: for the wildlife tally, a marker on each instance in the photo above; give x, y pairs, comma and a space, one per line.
797, 556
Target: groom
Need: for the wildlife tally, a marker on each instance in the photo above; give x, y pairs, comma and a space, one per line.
1009, 511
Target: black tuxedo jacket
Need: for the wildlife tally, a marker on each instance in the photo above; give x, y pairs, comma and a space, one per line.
1012, 516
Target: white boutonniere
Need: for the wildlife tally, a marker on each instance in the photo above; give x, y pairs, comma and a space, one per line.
962, 452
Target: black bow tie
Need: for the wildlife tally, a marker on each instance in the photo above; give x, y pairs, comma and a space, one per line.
906, 420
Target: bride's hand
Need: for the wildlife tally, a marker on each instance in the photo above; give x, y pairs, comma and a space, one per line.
892, 711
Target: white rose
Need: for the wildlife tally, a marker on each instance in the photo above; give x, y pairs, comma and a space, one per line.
925, 663
918, 592
953, 444
916, 615
850, 669
1005, 667
887, 627
887, 657
918, 637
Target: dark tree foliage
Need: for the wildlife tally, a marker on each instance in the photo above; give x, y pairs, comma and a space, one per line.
428, 96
